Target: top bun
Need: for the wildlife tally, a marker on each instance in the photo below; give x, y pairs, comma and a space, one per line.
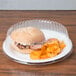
27, 35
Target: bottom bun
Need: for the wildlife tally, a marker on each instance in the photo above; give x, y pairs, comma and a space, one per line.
25, 51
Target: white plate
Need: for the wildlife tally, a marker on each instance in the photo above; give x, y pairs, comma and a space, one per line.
25, 58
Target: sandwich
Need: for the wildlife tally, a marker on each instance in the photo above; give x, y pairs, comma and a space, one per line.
23, 38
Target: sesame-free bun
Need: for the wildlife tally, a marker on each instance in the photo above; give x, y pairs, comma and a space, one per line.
27, 35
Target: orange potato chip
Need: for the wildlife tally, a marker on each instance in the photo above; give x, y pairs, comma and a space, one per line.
35, 54
45, 56
62, 45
